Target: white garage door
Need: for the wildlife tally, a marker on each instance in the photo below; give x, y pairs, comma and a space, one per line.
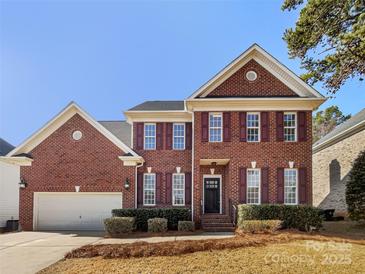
74, 211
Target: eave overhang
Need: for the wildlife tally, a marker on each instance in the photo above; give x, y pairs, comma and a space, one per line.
253, 104
131, 160
158, 116
339, 137
17, 160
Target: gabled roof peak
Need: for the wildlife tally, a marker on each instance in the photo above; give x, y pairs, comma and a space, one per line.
267, 61
63, 116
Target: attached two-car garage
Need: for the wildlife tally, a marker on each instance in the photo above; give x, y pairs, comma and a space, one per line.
73, 210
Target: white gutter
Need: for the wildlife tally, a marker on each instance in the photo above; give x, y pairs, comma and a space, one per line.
135, 185
192, 160
354, 129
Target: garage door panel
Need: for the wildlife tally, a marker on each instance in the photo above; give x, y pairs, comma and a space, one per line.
74, 211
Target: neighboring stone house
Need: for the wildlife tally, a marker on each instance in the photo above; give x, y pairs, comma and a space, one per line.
333, 156
245, 136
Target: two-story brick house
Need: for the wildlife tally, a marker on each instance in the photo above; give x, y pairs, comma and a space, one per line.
243, 137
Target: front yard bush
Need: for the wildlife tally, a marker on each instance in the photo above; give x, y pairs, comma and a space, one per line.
173, 215
186, 226
257, 226
300, 217
355, 189
119, 225
157, 225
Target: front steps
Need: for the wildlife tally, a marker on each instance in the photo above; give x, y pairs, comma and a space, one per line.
217, 223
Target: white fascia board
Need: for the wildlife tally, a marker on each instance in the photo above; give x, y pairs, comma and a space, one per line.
315, 93
254, 104
240, 61
18, 160
158, 116
57, 121
221, 73
131, 160
340, 136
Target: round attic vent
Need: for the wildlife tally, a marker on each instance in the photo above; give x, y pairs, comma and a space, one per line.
76, 135
251, 75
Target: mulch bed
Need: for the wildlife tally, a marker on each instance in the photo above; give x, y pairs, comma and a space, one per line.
171, 248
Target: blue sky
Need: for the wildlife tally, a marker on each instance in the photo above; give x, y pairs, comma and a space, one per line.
111, 55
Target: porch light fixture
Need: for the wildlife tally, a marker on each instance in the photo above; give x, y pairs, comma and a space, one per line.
253, 164
23, 183
178, 169
212, 171
77, 188
127, 184
149, 169
291, 164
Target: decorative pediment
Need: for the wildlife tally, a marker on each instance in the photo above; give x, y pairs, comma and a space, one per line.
255, 73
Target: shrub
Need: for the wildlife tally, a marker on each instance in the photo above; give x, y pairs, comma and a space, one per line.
119, 225
186, 226
254, 226
173, 215
157, 225
300, 217
355, 189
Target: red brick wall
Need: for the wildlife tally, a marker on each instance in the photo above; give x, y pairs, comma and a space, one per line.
266, 84
270, 154
163, 161
61, 163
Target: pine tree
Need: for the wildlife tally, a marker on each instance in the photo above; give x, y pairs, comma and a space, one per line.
355, 189
329, 39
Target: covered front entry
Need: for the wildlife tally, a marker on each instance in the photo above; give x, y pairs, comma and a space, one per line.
212, 193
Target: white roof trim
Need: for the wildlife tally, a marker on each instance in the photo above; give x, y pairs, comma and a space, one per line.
131, 160
69, 111
268, 62
18, 161
219, 162
340, 136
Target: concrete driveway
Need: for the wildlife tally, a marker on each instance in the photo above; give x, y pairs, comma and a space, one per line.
29, 252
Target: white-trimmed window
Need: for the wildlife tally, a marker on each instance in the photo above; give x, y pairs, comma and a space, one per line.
290, 126
149, 189
253, 127
215, 127
149, 136
290, 186
179, 136
253, 185
178, 189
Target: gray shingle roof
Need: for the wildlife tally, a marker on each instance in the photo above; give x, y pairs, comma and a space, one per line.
121, 129
357, 118
159, 106
5, 147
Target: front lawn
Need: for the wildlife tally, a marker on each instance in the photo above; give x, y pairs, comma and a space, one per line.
340, 249
300, 256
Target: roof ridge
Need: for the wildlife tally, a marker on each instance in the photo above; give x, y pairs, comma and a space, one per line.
339, 129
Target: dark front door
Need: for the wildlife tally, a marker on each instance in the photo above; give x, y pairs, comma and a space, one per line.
211, 195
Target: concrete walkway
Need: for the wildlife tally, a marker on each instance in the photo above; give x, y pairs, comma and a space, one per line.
204, 236
29, 252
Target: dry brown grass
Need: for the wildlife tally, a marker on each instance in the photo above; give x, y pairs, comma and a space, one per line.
272, 258
144, 249
344, 229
